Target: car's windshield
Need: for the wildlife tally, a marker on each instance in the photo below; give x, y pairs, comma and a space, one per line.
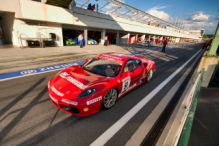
102, 67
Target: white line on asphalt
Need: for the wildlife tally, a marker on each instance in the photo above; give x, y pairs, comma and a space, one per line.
108, 134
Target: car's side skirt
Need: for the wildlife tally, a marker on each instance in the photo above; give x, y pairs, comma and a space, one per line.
133, 86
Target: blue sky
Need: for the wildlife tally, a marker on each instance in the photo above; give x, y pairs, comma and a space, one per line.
197, 14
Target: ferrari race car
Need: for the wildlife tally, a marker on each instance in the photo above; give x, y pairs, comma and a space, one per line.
83, 90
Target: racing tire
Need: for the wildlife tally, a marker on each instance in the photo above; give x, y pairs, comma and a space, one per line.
110, 98
149, 76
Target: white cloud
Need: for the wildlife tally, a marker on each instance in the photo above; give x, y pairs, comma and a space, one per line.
201, 20
110, 6
160, 14
199, 16
193, 20
158, 7
209, 27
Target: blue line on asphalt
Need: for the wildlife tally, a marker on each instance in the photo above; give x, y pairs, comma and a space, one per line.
29, 72
37, 70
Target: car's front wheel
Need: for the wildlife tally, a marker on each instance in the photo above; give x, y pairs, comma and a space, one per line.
110, 98
150, 74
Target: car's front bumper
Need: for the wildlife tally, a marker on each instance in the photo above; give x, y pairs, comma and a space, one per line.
78, 107
81, 109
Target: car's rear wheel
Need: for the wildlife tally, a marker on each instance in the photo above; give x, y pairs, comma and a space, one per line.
150, 74
110, 98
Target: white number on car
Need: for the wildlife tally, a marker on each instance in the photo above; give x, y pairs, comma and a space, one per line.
125, 84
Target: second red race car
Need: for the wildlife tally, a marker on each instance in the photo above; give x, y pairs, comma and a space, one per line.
83, 90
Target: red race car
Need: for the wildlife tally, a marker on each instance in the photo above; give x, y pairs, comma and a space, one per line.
83, 90
207, 44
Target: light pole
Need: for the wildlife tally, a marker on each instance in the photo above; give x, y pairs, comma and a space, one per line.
97, 4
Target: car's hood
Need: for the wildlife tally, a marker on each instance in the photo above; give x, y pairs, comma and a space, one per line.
75, 79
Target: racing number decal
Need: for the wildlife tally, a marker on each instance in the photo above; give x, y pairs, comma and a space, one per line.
125, 84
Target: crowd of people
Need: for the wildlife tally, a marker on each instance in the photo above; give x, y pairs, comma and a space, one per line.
157, 25
91, 7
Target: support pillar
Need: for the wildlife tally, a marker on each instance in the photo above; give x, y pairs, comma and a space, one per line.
177, 40
103, 34
128, 35
85, 36
136, 38
142, 37
117, 38
153, 37
161, 38
149, 37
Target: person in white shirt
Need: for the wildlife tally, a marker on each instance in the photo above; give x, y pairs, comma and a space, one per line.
80, 38
105, 40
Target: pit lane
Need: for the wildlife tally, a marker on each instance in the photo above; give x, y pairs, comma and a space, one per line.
28, 117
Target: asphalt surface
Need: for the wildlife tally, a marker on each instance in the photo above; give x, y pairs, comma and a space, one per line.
27, 116
16, 59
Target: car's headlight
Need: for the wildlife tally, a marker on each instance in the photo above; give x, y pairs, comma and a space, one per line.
87, 92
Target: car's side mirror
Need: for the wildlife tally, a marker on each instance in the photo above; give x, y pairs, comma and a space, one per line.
86, 60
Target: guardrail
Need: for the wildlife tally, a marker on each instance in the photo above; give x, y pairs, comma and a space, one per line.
188, 117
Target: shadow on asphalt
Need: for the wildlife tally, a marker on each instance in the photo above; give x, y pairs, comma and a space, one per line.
24, 110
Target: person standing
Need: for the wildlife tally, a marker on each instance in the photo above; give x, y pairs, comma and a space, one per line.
105, 40
164, 45
89, 6
93, 7
80, 38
